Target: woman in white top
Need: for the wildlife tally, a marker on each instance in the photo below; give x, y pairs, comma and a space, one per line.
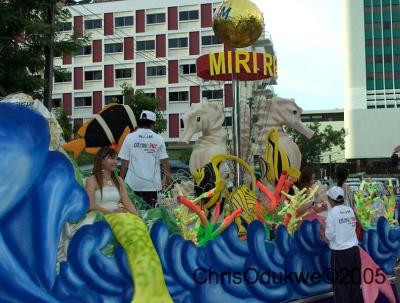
106, 190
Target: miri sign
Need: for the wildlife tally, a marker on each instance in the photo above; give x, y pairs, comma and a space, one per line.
239, 65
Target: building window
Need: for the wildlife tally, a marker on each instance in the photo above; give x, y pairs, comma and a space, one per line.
83, 51
146, 45
65, 26
83, 101
188, 15
114, 99
213, 94
227, 121
123, 73
379, 8
155, 18
188, 69
154, 71
179, 96
210, 40
150, 95
62, 77
113, 48
379, 59
57, 102
93, 75
92, 24
123, 21
177, 42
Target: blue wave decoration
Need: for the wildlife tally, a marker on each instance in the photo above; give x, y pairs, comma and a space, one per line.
39, 195
382, 244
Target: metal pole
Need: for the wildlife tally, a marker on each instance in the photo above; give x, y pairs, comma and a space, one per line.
236, 128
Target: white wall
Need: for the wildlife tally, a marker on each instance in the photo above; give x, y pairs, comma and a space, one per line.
354, 56
373, 133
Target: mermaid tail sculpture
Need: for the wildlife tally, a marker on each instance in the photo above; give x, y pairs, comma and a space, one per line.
144, 262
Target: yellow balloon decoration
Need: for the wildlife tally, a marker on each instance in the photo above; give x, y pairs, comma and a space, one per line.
144, 262
238, 23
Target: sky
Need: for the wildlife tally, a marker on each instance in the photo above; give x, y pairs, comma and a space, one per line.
307, 38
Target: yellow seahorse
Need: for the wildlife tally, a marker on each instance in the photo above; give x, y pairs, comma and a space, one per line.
143, 259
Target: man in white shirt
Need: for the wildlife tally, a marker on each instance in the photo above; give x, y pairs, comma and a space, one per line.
141, 154
345, 258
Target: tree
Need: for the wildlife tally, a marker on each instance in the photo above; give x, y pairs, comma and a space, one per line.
64, 122
24, 35
323, 141
139, 101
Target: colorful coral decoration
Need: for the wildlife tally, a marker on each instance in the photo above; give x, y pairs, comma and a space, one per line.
209, 230
368, 204
390, 204
364, 199
289, 210
144, 262
109, 127
188, 222
273, 200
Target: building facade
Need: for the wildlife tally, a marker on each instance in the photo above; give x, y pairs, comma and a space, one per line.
150, 45
372, 78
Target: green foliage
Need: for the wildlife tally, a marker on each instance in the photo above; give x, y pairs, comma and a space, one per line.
64, 122
139, 101
22, 64
85, 159
322, 142
182, 154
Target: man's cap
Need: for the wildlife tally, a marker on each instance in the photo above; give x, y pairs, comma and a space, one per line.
336, 193
148, 115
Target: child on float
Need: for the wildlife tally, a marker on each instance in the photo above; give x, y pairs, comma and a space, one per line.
340, 231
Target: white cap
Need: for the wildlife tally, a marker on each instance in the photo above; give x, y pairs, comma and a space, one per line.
336, 193
148, 115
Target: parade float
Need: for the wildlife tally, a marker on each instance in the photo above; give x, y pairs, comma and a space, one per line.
233, 243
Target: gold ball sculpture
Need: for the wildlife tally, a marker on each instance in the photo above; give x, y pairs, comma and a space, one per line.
238, 23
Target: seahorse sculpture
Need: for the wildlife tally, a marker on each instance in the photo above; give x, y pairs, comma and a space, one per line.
144, 262
270, 112
266, 137
205, 117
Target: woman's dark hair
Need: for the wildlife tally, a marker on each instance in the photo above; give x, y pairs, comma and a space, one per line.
305, 178
341, 175
103, 153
